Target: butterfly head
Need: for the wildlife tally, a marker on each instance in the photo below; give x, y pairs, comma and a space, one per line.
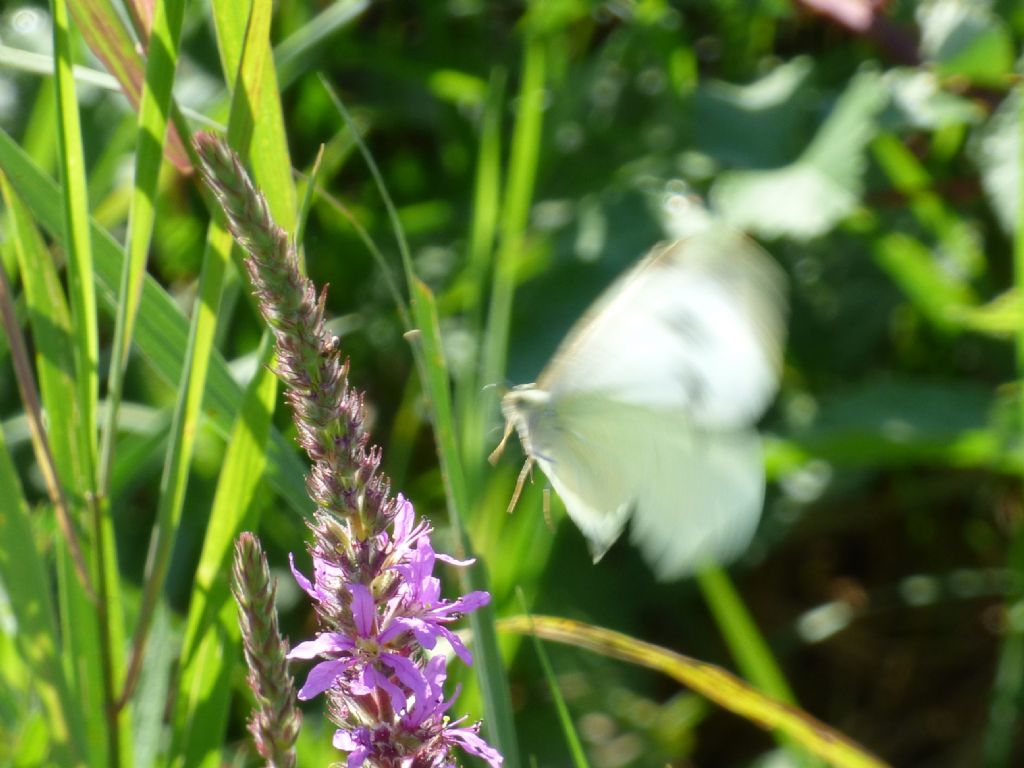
517, 406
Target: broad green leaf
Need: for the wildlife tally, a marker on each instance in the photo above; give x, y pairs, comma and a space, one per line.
755, 125
811, 195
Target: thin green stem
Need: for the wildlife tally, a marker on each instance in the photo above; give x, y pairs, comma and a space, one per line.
1007, 698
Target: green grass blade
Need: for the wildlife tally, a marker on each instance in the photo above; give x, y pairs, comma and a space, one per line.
522, 172
77, 242
100, 25
470, 404
291, 54
162, 330
97, 684
711, 682
939, 296
911, 178
744, 639
210, 648
490, 671
434, 373
241, 36
572, 738
23, 573
50, 321
747, 645
179, 450
150, 136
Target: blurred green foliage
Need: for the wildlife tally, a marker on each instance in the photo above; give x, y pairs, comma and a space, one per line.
879, 161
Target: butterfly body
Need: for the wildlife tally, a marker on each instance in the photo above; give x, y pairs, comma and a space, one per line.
646, 411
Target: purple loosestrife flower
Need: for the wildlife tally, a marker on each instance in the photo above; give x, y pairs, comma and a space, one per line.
379, 604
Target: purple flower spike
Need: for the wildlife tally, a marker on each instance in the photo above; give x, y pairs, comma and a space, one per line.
379, 605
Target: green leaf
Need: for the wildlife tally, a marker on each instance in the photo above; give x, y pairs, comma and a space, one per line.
753, 125
811, 195
994, 149
936, 292
238, 35
963, 38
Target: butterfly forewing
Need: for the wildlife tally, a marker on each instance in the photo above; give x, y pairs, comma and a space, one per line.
696, 326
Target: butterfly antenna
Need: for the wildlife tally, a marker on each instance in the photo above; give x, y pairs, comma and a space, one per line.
496, 453
523, 473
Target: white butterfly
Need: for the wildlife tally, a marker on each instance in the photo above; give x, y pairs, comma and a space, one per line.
649, 404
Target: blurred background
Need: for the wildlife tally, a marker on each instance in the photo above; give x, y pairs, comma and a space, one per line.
872, 147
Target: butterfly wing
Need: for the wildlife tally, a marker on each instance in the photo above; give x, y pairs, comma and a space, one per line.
696, 327
694, 496
647, 407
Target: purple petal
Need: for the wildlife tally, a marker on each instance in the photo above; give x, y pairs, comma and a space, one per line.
327, 642
472, 601
406, 672
322, 676
427, 703
303, 582
403, 518
377, 679
363, 609
425, 632
356, 743
460, 650
474, 745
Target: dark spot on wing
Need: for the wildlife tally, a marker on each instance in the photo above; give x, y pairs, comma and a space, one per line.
695, 385
689, 326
